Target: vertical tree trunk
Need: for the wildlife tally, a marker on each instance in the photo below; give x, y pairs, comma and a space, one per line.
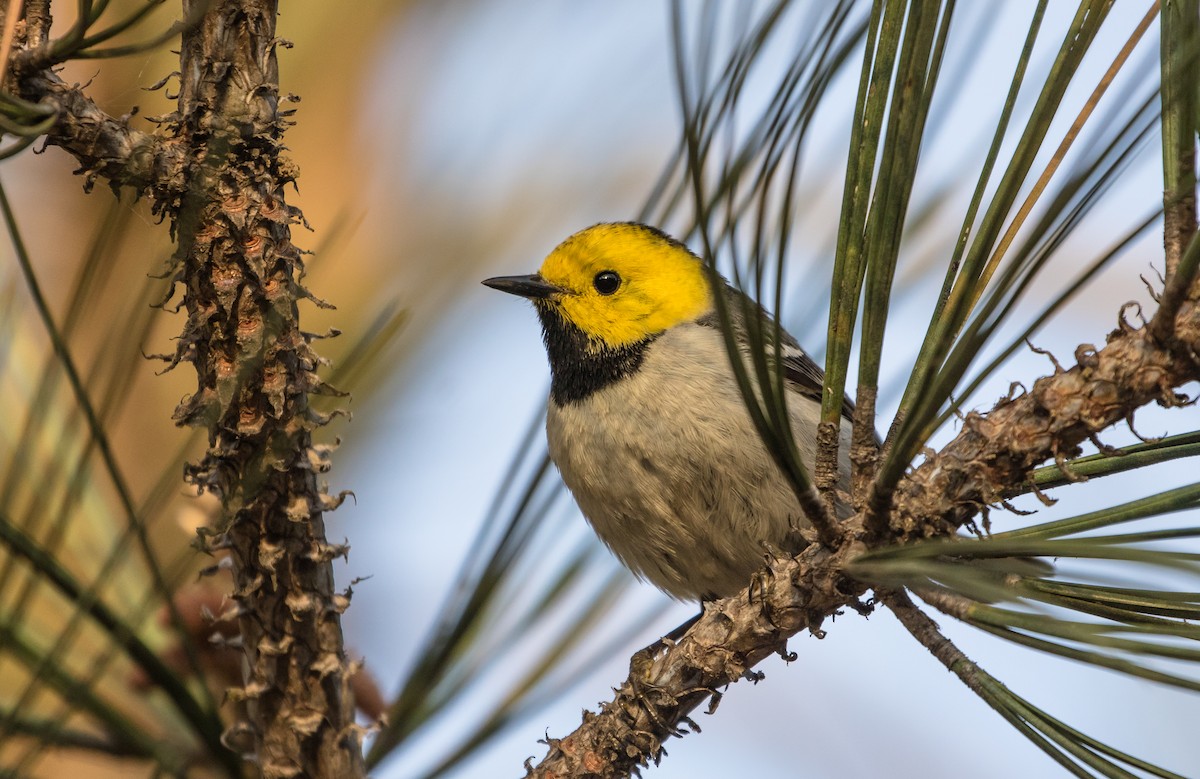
255, 370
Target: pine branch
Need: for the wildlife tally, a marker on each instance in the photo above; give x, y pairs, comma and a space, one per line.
256, 370
217, 173
730, 638
106, 147
993, 455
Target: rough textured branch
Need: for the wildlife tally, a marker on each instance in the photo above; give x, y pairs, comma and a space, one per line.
731, 637
256, 370
218, 174
108, 148
994, 452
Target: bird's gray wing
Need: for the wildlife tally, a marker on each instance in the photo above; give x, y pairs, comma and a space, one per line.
802, 373
807, 378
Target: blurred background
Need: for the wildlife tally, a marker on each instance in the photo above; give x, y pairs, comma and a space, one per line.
440, 143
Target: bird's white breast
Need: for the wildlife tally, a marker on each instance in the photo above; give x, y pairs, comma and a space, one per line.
667, 466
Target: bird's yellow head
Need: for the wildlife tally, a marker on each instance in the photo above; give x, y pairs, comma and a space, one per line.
618, 284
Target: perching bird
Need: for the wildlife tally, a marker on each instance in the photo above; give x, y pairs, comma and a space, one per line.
646, 422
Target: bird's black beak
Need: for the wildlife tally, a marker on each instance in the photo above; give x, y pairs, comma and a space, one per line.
533, 287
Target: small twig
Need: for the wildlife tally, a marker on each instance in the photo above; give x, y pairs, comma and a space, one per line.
926, 631
820, 505
106, 147
1179, 285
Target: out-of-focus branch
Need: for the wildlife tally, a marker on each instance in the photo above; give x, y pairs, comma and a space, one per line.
218, 174
255, 371
211, 626
106, 147
37, 22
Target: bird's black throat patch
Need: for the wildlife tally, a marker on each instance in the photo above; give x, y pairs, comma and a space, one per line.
578, 365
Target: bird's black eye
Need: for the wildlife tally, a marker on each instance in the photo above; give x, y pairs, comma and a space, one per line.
606, 282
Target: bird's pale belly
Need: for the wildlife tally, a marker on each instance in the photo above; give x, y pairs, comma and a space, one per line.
679, 486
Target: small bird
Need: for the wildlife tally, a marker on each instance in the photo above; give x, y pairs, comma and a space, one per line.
646, 421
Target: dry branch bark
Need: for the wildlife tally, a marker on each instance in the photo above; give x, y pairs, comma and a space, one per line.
730, 638
993, 454
217, 172
256, 370
107, 148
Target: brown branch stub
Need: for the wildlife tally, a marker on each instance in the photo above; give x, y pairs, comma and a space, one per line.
106, 147
864, 446
37, 22
825, 472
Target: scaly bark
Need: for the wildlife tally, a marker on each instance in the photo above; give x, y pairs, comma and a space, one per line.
256, 370
217, 173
